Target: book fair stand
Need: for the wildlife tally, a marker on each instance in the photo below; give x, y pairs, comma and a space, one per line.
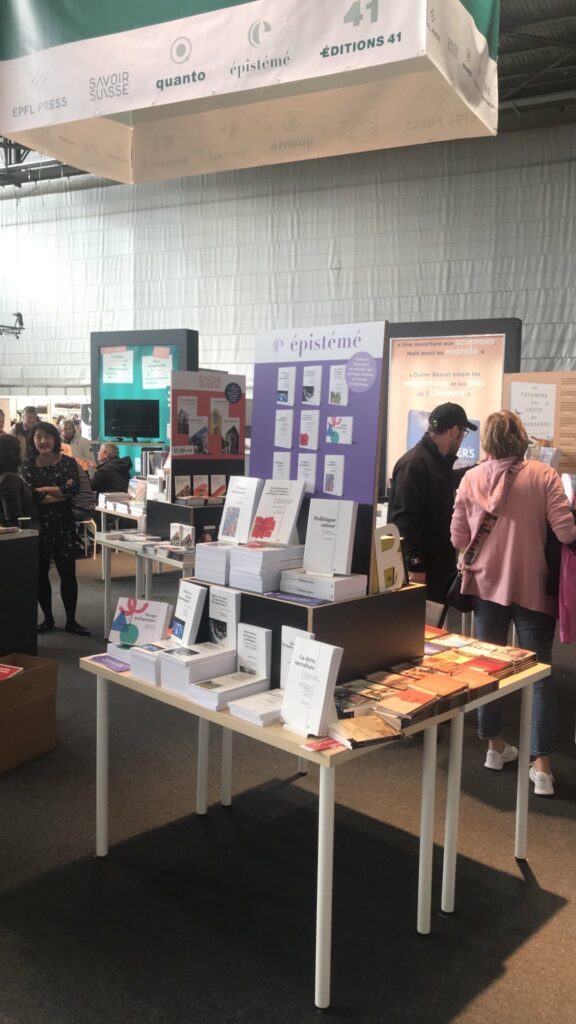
280, 624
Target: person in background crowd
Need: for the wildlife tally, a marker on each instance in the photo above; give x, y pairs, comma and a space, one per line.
80, 447
422, 499
2, 420
53, 479
113, 472
16, 500
23, 430
508, 578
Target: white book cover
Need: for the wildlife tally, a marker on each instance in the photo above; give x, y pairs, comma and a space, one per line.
283, 428
289, 635
311, 385
137, 621
338, 386
286, 385
333, 481
254, 650
242, 498
339, 429
281, 465
307, 470
188, 613
277, 512
309, 426
224, 615
330, 536
309, 695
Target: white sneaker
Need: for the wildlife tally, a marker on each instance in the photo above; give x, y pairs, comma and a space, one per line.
496, 759
543, 782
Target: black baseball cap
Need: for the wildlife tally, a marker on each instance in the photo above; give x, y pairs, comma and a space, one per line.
449, 415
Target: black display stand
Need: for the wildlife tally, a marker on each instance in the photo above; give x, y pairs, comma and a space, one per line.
159, 515
19, 592
376, 631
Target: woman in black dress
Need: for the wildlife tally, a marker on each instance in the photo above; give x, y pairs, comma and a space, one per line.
53, 479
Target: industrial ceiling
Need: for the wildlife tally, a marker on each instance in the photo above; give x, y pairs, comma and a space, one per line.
536, 71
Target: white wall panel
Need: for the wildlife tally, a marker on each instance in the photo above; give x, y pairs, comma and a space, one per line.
485, 228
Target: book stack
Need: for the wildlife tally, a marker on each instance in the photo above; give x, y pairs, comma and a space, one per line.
182, 667
518, 658
479, 683
167, 549
447, 661
258, 567
363, 732
451, 690
213, 562
358, 697
144, 660
407, 707
308, 705
328, 588
137, 539
259, 709
137, 621
218, 692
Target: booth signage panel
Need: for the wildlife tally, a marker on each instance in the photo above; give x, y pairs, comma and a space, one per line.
244, 84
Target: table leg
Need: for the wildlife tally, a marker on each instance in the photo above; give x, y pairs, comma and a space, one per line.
324, 886
148, 566
427, 829
202, 776
452, 813
107, 577
521, 841
101, 767
226, 785
139, 581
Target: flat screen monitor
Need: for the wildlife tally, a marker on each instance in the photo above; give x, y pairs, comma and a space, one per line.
134, 418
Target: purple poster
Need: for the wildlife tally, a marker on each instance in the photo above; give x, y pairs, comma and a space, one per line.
316, 408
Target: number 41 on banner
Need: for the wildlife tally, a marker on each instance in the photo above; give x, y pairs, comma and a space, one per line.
354, 14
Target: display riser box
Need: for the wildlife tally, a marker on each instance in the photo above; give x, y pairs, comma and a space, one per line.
19, 592
375, 631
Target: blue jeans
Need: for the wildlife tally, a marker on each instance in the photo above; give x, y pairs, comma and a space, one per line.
535, 633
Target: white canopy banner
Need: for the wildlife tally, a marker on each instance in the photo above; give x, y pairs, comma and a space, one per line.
242, 84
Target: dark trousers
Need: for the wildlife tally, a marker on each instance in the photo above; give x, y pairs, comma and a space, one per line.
66, 566
535, 633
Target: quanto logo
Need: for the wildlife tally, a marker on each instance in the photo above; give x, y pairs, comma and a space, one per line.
180, 50
258, 29
277, 345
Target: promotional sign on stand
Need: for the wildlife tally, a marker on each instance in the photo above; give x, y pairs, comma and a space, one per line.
316, 408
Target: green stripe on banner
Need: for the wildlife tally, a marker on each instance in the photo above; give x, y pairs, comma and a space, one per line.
486, 14
41, 24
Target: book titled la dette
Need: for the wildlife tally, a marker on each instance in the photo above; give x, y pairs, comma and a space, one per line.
308, 704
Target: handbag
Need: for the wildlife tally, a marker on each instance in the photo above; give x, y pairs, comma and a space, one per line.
454, 596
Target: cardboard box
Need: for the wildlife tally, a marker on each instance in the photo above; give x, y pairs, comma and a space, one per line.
27, 709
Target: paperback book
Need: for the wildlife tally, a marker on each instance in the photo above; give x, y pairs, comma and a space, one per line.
223, 615
308, 705
240, 505
330, 536
138, 621
328, 588
254, 650
288, 638
188, 613
217, 692
277, 512
362, 732
182, 666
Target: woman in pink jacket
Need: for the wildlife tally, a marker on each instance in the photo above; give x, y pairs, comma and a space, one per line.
508, 577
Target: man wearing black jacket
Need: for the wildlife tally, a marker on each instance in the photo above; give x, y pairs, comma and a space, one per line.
113, 473
422, 499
